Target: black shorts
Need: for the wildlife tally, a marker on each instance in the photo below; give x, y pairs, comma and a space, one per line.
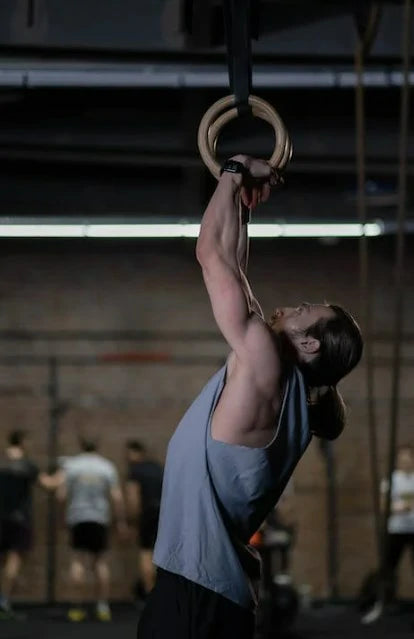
148, 528
90, 537
180, 609
15, 535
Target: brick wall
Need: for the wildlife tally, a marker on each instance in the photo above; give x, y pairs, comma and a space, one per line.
159, 288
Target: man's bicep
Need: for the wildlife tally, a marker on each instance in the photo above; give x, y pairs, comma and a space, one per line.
228, 301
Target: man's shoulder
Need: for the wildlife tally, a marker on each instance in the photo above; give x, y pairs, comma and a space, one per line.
106, 465
261, 363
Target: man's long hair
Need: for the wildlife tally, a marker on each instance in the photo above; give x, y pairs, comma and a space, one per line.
340, 350
16, 438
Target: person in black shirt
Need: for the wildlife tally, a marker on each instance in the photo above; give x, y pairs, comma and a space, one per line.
143, 496
18, 474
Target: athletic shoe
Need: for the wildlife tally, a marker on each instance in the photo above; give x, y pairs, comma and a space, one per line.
103, 611
373, 614
77, 614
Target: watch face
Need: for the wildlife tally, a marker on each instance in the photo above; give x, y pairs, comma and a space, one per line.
231, 166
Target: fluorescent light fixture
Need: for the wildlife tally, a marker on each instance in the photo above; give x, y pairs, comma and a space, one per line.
143, 230
184, 230
331, 230
41, 230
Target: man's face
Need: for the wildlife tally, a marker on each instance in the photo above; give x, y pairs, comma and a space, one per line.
294, 321
133, 456
405, 461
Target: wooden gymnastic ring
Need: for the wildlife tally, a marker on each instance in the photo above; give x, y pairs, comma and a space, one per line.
213, 133
215, 119
261, 109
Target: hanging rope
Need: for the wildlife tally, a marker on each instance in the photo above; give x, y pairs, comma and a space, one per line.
399, 274
366, 20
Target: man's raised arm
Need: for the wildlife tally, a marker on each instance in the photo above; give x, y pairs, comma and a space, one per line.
218, 248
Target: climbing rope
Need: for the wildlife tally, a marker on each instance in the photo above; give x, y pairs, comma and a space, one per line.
366, 23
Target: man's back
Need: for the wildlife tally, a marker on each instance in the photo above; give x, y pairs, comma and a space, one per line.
148, 474
89, 478
16, 479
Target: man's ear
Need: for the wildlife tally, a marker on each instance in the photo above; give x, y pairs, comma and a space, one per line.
309, 345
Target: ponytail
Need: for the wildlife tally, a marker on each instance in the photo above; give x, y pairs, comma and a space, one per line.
326, 412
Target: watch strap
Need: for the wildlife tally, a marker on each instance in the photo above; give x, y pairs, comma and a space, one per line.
233, 166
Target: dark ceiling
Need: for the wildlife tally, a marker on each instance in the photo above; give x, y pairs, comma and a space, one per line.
100, 103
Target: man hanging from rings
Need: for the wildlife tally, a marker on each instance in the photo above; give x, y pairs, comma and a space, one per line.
239, 442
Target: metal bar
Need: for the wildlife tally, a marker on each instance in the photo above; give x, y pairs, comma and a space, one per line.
332, 519
174, 360
53, 393
55, 153
144, 335
35, 75
399, 279
99, 335
116, 360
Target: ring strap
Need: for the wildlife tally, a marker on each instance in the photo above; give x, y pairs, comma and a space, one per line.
237, 22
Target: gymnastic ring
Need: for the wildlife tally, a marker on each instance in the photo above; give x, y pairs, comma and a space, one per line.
261, 109
213, 121
214, 131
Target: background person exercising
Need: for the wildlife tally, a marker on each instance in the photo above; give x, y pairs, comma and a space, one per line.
18, 474
401, 521
143, 498
89, 484
400, 525
236, 447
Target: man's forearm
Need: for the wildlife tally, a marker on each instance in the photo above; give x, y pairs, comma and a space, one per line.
243, 259
243, 247
220, 226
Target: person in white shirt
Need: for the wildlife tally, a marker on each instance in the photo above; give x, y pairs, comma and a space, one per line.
89, 484
401, 520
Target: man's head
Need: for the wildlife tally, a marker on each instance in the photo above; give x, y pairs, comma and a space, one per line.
325, 339
135, 451
405, 459
88, 444
17, 438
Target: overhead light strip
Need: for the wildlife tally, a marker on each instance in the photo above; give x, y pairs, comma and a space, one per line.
33, 74
184, 230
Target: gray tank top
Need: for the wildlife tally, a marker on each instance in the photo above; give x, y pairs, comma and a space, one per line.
216, 495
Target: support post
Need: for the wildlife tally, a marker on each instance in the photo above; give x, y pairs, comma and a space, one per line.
53, 394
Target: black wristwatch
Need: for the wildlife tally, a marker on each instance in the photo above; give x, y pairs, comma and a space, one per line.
233, 166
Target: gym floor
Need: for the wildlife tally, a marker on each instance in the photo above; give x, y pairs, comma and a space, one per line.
324, 622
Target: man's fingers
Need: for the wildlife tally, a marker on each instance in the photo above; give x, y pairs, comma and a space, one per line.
276, 179
256, 189
255, 197
265, 193
245, 196
259, 169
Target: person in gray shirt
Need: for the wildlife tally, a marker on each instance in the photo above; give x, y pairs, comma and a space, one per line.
236, 447
89, 485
